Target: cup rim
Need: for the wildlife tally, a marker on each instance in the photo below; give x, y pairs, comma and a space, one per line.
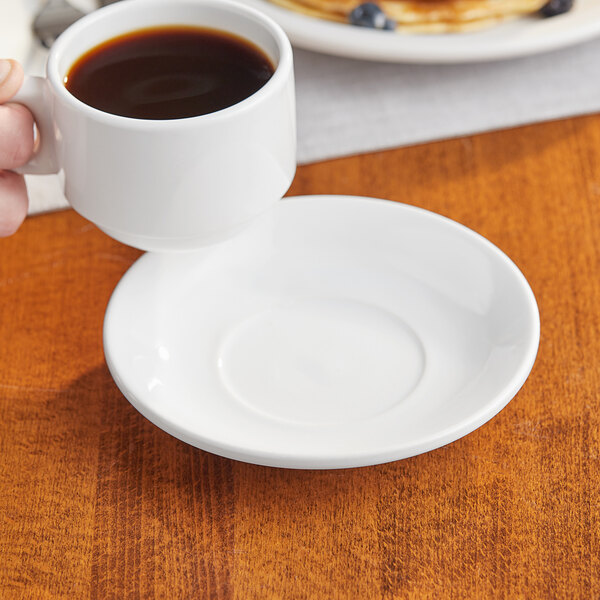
277, 80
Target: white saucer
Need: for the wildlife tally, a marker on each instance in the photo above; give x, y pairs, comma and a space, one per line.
336, 332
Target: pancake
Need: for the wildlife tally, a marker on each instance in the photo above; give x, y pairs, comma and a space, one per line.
423, 16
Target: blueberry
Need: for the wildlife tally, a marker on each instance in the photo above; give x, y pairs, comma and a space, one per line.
370, 15
556, 7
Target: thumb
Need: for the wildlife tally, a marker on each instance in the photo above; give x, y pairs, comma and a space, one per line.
11, 78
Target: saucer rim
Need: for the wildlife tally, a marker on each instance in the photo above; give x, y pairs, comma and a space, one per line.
333, 460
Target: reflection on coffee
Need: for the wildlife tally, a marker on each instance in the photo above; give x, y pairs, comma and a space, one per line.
169, 73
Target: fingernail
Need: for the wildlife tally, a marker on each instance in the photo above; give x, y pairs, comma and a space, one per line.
5, 69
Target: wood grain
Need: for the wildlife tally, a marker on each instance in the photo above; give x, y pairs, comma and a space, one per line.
95, 502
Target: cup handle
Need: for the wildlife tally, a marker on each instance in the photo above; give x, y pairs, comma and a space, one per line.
35, 95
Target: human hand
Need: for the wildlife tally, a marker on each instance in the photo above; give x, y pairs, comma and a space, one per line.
16, 147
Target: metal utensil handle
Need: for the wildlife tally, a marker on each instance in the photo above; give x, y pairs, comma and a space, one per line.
35, 95
53, 18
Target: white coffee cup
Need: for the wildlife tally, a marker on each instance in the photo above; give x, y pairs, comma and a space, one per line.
174, 184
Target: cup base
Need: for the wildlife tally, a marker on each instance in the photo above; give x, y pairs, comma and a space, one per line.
168, 244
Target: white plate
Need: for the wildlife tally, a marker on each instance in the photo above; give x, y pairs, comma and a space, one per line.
336, 332
521, 37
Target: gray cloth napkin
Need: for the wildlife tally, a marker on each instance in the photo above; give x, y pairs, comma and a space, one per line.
347, 106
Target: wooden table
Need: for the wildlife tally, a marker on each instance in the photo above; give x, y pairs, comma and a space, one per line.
96, 502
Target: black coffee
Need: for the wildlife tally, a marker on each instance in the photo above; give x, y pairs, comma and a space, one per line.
169, 73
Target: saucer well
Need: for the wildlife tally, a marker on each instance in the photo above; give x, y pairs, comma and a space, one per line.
335, 332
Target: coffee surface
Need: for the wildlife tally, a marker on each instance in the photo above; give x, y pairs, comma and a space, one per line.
169, 73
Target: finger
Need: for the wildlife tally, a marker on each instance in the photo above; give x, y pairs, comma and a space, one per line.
13, 202
11, 78
16, 136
